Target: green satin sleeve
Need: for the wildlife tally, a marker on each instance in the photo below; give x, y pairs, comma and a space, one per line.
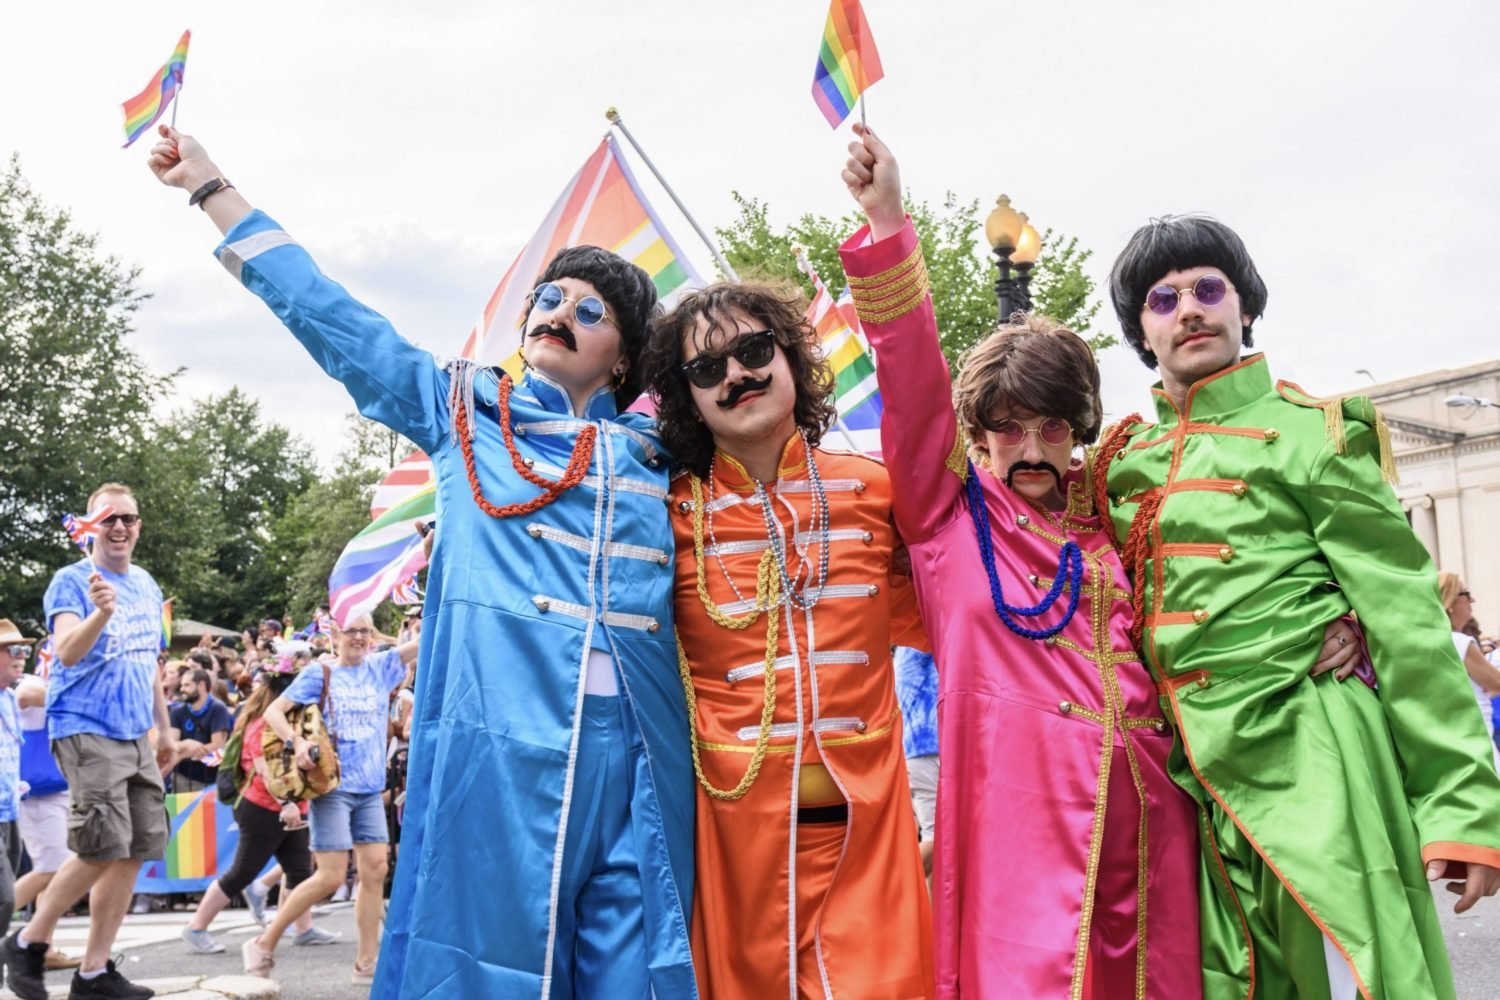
1389, 579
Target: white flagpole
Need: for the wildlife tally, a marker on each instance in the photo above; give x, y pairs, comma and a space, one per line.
614, 119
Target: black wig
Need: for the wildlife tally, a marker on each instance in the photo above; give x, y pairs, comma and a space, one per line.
1177, 243
626, 289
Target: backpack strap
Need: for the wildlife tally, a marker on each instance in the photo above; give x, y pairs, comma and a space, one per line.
323, 695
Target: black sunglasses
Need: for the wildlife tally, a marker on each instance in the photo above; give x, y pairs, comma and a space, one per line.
753, 350
129, 520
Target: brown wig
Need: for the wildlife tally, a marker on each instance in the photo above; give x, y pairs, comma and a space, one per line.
780, 308
1035, 364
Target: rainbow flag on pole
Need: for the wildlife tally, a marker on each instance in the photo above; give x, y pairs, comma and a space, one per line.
601, 206
192, 852
848, 62
142, 110
856, 393
379, 557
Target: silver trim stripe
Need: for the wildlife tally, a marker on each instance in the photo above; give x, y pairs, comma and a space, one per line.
552, 426
622, 484
831, 485
804, 539
838, 590
617, 549
833, 657
234, 255
838, 724
647, 445
547, 605
749, 734
731, 500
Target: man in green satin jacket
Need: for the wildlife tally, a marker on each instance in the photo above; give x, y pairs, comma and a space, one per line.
1249, 514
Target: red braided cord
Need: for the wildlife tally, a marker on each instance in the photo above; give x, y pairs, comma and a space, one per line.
1114, 442
1134, 555
578, 463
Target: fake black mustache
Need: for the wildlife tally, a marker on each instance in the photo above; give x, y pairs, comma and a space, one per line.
1031, 467
740, 388
560, 332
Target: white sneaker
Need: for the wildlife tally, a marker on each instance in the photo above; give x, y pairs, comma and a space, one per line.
341, 894
202, 941
316, 936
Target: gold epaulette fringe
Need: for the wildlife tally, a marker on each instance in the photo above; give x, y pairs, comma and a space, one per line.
1363, 409
958, 459
892, 293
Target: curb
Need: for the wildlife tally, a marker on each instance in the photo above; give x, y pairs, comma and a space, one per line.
192, 988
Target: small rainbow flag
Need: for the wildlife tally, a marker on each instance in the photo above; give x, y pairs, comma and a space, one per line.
193, 851
848, 62
142, 110
166, 623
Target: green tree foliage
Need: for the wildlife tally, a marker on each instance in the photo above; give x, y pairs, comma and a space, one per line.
317, 524
212, 483
961, 270
77, 398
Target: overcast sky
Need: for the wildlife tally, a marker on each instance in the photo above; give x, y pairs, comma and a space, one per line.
414, 149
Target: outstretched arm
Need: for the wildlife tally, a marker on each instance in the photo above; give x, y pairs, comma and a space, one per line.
918, 432
392, 381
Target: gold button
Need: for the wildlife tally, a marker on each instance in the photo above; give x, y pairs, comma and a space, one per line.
1226, 553
1119, 454
869, 537
1272, 434
1051, 640
1065, 707
1239, 489
542, 604
1202, 682
1116, 500
1200, 616
874, 589
654, 627
1159, 726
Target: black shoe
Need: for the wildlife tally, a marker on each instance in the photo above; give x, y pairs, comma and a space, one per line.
109, 985
25, 968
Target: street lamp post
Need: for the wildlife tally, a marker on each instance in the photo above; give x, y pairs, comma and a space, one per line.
1016, 245
1477, 402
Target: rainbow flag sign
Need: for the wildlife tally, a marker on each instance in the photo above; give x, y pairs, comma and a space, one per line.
166, 623
601, 206
142, 110
848, 62
203, 840
856, 393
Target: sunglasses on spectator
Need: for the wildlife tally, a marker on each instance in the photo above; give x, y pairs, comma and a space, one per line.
753, 350
20, 652
588, 310
1209, 290
1052, 430
128, 520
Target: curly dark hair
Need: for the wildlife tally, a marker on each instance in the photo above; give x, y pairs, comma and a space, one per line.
630, 294
782, 308
1177, 243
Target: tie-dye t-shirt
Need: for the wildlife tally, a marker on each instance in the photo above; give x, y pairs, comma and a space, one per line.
359, 699
10, 757
916, 692
111, 691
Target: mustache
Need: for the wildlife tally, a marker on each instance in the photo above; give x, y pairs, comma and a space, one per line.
741, 388
1031, 467
560, 332
1214, 329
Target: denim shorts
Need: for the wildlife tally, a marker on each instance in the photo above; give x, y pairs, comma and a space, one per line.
342, 819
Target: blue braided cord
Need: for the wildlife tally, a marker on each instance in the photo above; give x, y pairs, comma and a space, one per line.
1069, 563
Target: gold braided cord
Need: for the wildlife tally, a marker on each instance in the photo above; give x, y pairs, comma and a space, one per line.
767, 598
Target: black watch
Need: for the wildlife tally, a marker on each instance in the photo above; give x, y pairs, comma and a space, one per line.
212, 187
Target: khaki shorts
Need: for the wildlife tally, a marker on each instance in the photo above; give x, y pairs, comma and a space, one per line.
117, 807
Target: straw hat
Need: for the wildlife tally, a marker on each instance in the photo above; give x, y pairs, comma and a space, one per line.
11, 636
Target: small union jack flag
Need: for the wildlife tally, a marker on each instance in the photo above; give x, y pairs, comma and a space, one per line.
88, 527
44, 658
407, 591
